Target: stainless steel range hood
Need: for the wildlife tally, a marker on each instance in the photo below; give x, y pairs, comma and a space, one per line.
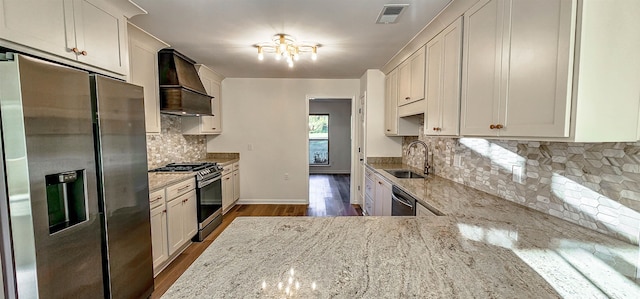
181, 91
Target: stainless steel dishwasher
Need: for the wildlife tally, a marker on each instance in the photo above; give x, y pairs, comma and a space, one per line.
402, 204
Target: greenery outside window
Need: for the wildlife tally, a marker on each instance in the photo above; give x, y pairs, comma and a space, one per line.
318, 139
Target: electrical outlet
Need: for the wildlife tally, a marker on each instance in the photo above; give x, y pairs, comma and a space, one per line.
286, 176
517, 174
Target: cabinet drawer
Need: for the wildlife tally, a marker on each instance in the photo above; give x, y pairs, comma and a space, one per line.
156, 198
369, 174
236, 166
227, 169
180, 188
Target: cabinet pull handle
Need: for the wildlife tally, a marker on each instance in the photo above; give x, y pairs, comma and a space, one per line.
183, 188
213, 128
499, 126
84, 53
75, 50
492, 127
164, 211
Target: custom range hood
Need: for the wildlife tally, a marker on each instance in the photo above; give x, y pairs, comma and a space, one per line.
181, 91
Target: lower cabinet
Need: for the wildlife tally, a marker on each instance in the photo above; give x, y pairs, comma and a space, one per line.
174, 221
227, 192
230, 186
160, 251
181, 227
383, 197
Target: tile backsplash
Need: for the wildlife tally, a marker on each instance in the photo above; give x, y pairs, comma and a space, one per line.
595, 185
170, 146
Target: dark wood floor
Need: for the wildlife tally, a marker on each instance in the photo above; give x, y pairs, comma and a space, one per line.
328, 196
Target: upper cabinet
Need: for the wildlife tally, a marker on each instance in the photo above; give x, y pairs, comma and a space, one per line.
143, 69
393, 124
444, 55
534, 69
203, 125
411, 78
90, 32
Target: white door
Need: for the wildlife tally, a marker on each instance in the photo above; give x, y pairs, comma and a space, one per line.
482, 65
175, 224
450, 74
434, 86
44, 25
159, 248
100, 36
540, 60
190, 215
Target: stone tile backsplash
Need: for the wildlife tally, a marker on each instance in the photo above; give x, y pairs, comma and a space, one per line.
595, 185
170, 146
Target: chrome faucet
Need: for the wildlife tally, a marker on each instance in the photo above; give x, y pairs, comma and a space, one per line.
426, 154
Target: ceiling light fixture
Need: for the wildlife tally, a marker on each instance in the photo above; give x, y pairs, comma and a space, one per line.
285, 46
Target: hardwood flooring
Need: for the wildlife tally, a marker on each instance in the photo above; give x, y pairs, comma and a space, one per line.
328, 196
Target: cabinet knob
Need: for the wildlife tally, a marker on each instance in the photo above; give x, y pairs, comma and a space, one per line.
407, 98
435, 129
75, 50
499, 126
492, 127
213, 128
164, 211
388, 130
380, 183
84, 53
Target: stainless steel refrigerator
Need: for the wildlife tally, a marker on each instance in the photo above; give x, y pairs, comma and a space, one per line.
76, 171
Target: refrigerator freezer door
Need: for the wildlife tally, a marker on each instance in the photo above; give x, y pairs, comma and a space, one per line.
125, 191
47, 129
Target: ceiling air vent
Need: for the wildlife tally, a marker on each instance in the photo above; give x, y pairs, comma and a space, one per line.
390, 13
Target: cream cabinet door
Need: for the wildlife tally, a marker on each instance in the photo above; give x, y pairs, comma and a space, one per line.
383, 197
411, 78
227, 192
143, 71
160, 251
482, 68
417, 75
175, 225
421, 211
540, 57
190, 215
43, 25
100, 36
404, 83
236, 185
443, 81
434, 57
391, 103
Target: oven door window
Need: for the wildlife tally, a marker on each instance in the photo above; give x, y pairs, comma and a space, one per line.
209, 200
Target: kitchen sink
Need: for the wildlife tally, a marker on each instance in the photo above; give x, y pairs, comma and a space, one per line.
404, 174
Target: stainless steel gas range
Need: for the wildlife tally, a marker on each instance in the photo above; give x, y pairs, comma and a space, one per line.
208, 191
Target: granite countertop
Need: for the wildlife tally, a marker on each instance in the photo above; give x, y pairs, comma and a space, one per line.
159, 180
484, 247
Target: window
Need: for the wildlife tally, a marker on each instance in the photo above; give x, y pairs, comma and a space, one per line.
318, 139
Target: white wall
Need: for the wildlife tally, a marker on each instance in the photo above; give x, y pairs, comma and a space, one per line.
271, 117
339, 111
376, 143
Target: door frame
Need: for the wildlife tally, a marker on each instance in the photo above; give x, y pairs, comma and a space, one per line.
354, 141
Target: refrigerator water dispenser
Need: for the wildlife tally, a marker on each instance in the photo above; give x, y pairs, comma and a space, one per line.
66, 199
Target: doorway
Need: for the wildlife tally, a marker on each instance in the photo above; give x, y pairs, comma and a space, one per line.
330, 157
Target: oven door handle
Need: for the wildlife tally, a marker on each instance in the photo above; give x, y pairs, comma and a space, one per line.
402, 201
208, 182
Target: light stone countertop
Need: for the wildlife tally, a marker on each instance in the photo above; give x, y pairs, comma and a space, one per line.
159, 180
485, 247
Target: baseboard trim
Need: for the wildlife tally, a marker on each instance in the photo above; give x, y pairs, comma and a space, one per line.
319, 171
272, 202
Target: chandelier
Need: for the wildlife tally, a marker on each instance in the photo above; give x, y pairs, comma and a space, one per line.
287, 48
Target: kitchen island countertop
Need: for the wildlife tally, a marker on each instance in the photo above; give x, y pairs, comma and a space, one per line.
484, 247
